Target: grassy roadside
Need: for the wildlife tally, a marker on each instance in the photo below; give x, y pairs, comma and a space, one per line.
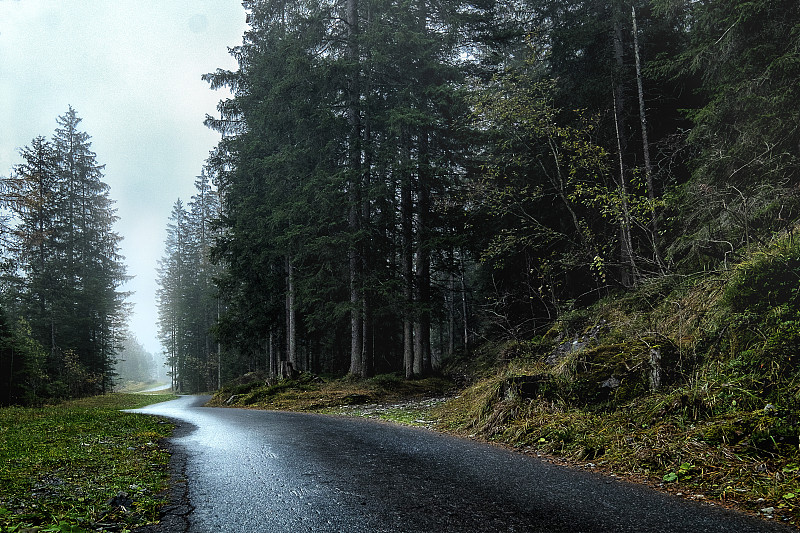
646, 442
82, 465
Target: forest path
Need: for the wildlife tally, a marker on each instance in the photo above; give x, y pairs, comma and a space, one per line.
250, 470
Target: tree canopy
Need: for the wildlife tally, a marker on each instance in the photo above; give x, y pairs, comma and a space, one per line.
400, 180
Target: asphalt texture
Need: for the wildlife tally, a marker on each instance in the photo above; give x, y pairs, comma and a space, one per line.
238, 470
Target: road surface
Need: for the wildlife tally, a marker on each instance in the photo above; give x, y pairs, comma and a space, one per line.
262, 471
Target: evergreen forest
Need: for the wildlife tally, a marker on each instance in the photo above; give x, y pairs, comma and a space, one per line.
403, 181
62, 313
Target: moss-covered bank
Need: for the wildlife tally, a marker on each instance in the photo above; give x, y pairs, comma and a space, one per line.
691, 383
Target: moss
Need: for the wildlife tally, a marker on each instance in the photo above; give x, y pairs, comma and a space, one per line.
615, 373
766, 279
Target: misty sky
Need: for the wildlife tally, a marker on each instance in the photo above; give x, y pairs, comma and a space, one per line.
131, 69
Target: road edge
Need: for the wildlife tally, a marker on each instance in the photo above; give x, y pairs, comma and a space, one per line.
174, 515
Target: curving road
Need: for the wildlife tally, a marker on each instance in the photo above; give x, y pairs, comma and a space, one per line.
264, 471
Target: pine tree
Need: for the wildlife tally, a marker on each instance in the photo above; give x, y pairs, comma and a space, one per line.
35, 188
174, 279
88, 247
280, 199
68, 258
203, 211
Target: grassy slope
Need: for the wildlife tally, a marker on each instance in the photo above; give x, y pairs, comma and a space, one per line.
82, 465
724, 422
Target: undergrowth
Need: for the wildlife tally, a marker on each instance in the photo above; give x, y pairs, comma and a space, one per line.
82, 465
691, 384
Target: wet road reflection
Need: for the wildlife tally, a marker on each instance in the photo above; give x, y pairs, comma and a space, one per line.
252, 471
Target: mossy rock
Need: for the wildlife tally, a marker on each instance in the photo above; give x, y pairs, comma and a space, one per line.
244, 383
356, 399
724, 431
618, 373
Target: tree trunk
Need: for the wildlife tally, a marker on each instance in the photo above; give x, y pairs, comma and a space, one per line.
655, 369
464, 305
451, 314
287, 370
422, 267
291, 339
356, 319
219, 353
628, 266
407, 253
354, 192
422, 321
368, 261
648, 167
272, 360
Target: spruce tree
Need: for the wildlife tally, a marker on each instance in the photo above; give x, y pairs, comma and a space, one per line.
69, 261
174, 279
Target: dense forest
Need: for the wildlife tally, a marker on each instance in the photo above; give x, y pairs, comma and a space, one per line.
62, 314
136, 366
400, 181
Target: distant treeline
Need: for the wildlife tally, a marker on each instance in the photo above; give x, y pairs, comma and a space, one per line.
62, 315
400, 180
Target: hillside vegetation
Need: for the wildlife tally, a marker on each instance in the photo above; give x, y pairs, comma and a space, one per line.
689, 382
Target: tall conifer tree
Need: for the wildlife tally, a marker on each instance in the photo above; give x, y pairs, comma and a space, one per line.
69, 257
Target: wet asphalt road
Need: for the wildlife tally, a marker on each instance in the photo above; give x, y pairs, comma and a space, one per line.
262, 471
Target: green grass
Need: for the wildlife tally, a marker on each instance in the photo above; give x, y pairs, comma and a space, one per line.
82, 465
313, 393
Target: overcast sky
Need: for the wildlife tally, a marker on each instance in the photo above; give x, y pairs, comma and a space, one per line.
131, 69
